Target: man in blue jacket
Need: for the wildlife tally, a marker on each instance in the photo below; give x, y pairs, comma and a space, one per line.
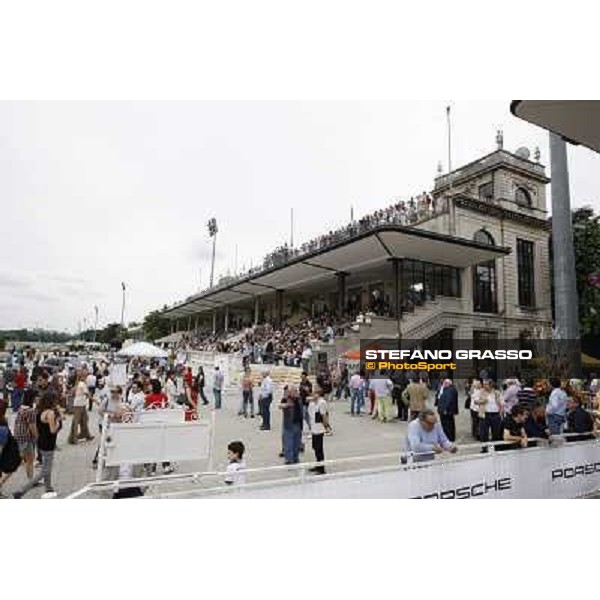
447, 405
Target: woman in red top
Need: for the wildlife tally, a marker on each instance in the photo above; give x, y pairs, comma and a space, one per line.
157, 398
188, 377
17, 395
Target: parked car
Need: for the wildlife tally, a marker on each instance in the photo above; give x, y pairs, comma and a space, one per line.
55, 362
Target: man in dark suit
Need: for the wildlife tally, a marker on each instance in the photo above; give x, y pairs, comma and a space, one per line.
447, 405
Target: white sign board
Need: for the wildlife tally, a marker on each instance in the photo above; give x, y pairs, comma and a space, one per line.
568, 471
137, 443
118, 374
167, 415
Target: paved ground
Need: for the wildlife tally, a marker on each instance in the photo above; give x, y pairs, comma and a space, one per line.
353, 436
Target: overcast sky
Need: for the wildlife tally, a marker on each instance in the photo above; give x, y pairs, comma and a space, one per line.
93, 194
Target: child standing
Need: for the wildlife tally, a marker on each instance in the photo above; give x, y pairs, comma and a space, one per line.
235, 469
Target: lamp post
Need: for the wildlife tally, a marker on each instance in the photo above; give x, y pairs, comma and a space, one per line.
123, 307
95, 322
212, 232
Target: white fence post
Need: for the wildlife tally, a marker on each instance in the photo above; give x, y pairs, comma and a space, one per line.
102, 449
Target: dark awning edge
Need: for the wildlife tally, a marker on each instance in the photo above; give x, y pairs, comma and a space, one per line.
539, 113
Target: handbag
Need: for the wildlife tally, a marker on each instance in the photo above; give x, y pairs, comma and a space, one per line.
10, 459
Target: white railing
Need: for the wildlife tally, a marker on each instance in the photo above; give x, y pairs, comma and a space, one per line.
291, 480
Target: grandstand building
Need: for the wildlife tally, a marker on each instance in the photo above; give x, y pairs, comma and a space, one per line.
475, 266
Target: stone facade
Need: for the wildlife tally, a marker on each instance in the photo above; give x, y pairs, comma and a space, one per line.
488, 195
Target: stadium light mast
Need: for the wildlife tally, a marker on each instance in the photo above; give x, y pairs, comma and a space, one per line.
212, 232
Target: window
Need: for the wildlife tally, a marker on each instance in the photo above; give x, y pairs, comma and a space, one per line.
485, 340
484, 237
486, 191
526, 340
423, 281
525, 272
484, 278
523, 197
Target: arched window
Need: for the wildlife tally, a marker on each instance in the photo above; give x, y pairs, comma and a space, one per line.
484, 237
484, 278
523, 197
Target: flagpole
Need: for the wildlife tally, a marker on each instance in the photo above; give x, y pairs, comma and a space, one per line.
452, 216
123, 307
449, 144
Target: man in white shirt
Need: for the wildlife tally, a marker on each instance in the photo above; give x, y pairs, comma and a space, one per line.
306, 356
329, 334
318, 416
218, 380
91, 383
171, 389
136, 397
382, 386
556, 408
491, 407
264, 401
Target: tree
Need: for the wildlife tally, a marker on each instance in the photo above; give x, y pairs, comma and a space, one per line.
111, 333
155, 326
34, 335
586, 239
586, 242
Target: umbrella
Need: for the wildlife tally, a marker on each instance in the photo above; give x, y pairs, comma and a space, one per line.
143, 349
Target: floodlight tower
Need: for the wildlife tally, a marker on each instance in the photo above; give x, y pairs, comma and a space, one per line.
212, 232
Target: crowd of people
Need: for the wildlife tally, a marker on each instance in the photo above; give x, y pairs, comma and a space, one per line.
516, 415
41, 398
290, 345
44, 399
411, 212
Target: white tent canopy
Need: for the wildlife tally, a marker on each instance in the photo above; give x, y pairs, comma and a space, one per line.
144, 350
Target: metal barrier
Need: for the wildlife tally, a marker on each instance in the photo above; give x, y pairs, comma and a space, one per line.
510, 473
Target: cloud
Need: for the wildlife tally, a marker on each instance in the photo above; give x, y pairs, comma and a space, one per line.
12, 281
67, 279
203, 251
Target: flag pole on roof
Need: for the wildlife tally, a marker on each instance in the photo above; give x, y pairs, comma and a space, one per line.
449, 144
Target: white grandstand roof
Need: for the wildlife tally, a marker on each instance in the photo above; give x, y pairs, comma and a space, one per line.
371, 248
